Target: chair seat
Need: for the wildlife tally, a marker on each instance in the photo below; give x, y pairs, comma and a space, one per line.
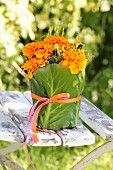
14, 108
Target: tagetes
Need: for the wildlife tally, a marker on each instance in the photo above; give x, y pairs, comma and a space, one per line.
61, 41
32, 65
74, 60
33, 48
39, 54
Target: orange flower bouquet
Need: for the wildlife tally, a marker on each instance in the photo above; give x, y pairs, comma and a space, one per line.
56, 70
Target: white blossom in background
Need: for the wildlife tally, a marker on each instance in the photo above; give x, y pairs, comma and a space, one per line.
16, 14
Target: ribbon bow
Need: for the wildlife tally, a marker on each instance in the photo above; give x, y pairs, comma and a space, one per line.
33, 113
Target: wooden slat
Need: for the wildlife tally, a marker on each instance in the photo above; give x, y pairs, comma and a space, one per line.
14, 100
45, 139
96, 119
17, 106
77, 136
27, 95
8, 130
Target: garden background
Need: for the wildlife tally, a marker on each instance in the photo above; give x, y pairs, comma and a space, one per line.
23, 21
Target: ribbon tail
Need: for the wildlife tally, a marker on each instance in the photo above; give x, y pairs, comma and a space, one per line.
34, 120
32, 111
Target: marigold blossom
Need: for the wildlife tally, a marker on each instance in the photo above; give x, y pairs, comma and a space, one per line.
40, 53
32, 65
61, 41
32, 48
74, 60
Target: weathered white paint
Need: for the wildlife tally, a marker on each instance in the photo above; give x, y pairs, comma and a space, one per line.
96, 119
27, 95
8, 129
77, 136
13, 119
45, 139
17, 107
14, 100
14, 108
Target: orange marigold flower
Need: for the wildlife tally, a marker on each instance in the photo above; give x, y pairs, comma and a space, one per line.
61, 41
32, 65
45, 52
38, 53
32, 48
74, 60
48, 48
36, 48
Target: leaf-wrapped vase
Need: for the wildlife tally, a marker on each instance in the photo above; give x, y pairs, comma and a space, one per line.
55, 79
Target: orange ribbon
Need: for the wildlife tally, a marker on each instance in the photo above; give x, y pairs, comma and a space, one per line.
33, 114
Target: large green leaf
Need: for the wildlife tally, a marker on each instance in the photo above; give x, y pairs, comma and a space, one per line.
36, 88
54, 79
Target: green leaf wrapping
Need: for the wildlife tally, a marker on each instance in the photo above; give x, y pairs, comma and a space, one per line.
54, 79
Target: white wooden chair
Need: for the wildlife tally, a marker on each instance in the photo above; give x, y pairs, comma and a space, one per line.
14, 108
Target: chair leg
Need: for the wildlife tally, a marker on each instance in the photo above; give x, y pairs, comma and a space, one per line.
2, 164
11, 148
9, 163
4, 161
84, 162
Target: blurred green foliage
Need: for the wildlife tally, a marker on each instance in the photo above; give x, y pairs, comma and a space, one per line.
23, 21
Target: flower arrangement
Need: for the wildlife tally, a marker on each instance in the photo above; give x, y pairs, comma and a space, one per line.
54, 49
56, 71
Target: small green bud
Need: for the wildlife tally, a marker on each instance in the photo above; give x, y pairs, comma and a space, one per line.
55, 47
